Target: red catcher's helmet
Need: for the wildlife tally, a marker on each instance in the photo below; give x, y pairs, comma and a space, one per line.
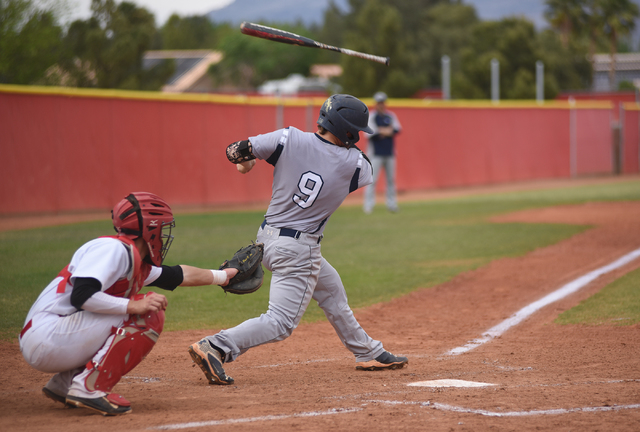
143, 214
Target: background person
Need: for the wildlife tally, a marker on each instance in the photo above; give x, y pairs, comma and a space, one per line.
313, 174
385, 126
90, 326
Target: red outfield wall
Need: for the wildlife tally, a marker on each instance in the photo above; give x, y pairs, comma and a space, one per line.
630, 151
71, 149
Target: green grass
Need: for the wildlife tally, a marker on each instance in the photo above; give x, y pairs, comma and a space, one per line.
379, 256
616, 304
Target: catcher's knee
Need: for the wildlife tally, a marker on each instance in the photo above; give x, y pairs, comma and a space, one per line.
130, 345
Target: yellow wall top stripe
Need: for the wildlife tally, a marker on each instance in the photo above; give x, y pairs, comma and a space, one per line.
290, 101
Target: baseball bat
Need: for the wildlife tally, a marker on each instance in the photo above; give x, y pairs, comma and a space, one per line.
294, 39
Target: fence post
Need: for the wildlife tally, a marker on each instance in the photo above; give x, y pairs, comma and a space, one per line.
309, 116
539, 81
446, 78
495, 80
616, 130
279, 112
573, 138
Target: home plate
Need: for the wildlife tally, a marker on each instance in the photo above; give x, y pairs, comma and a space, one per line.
449, 383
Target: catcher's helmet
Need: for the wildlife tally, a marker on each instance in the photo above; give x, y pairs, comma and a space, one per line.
345, 116
143, 214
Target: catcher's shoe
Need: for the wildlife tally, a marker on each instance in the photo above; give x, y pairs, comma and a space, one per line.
56, 397
210, 361
386, 360
109, 405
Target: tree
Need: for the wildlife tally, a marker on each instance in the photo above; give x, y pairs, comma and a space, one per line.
377, 29
567, 16
29, 41
516, 45
106, 50
446, 30
332, 32
565, 68
248, 62
192, 32
618, 17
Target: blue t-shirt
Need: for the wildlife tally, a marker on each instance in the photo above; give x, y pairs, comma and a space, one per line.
383, 145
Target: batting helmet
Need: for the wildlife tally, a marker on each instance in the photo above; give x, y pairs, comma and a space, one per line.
143, 214
345, 116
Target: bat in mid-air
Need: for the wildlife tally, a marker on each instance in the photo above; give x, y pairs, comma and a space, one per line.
294, 39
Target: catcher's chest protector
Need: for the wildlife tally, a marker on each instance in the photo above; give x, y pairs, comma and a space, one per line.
139, 271
130, 345
126, 288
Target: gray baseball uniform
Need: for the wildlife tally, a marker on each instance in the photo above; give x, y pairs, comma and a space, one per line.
311, 178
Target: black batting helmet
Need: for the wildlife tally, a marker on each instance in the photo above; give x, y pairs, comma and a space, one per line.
345, 116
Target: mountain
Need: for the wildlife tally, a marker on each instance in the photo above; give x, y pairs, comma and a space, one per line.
312, 11
277, 11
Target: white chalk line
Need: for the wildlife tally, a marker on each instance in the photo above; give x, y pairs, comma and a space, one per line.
492, 333
445, 407
559, 294
435, 405
255, 419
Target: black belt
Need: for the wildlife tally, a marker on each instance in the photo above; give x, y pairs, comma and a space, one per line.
288, 232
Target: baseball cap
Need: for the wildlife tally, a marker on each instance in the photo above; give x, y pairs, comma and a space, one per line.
380, 96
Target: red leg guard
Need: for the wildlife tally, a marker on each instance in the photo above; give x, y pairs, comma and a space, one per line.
130, 345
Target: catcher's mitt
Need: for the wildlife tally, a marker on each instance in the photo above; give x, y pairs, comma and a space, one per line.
248, 261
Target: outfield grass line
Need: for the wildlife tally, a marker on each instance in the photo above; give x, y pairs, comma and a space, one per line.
559, 294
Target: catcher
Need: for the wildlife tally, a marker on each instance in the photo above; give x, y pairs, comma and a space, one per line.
90, 326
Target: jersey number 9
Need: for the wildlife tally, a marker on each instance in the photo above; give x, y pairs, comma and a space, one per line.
309, 185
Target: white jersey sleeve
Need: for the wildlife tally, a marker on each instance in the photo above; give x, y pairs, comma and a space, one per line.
104, 259
395, 122
104, 303
266, 146
153, 275
372, 123
366, 172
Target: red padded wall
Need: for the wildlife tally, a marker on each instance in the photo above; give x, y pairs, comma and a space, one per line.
69, 150
631, 139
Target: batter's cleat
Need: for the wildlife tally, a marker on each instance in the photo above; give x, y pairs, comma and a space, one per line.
210, 361
109, 405
386, 360
55, 397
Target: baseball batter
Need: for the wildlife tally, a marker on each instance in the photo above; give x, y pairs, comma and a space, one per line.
90, 326
313, 174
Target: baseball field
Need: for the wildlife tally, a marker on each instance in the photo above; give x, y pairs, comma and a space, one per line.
518, 307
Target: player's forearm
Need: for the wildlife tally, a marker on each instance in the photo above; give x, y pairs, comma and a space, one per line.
104, 303
194, 276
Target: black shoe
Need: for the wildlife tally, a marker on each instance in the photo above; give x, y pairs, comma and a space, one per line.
55, 397
210, 361
109, 405
386, 360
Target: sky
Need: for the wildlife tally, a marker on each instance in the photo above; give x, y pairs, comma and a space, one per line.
162, 9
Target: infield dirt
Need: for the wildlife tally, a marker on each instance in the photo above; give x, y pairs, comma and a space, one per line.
547, 376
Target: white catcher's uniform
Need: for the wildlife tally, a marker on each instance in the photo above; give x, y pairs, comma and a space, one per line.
59, 338
311, 178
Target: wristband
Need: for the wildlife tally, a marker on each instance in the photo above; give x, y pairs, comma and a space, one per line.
219, 277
